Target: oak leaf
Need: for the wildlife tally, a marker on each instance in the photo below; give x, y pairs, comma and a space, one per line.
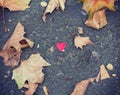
53, 4
81, 41
29, 73
98, 20
15, 5
11, 51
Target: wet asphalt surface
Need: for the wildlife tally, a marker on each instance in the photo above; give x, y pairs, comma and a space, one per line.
73, 65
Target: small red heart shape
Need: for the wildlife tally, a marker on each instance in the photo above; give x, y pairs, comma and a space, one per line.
61, 46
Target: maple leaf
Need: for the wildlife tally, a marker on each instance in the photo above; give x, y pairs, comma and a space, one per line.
91, 6
12, 49
30, 70
53, 4
81, 41
15, 5
98, 20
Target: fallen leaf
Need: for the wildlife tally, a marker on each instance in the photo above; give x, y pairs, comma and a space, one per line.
80, 30
29, 73
11, 51
82, 41
61, 46
98, 20
15, 5
53, 4
103, 74
91, 6
81, 87
109, 66
45, 90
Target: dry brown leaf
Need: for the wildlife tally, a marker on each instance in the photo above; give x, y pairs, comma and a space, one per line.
98, 20
80, 30
81, 41
103, 74
29, 73
12, 49
81, 87
15, 5
53, 4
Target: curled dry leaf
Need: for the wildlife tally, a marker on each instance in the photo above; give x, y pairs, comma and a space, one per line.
81, 41
53, 4
81, 87
12, 49
98, 20
29, 73
15, 5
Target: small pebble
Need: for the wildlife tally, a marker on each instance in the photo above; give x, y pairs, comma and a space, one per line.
43, 4
114, 75
9, 20
109, 66
38, 45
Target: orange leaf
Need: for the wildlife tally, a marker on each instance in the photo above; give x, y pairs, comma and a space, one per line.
15, 5
91, 6
12, 49
52, 5
81, 41
98, 20
29, 73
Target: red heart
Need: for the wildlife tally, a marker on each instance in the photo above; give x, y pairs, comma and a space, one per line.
61, 46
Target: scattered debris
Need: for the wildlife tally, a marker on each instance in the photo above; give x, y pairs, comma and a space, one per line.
61, 46
80, 30
51, 49
45, 90
109, 66
43, 3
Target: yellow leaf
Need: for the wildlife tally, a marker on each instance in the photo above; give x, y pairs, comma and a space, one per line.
81, 41
15, 5
29, 73
91, 6
53, 4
